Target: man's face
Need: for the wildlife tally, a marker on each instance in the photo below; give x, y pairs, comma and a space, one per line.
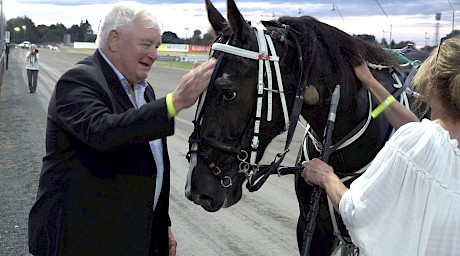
137, 51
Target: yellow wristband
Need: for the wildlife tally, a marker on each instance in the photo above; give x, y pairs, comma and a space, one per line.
170, 105
380, 108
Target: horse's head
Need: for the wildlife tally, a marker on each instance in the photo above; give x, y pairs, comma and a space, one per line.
249, 102
230, 138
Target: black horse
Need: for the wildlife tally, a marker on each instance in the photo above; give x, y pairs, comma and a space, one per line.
263, 70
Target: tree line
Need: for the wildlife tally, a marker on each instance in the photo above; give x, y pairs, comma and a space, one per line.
24, 29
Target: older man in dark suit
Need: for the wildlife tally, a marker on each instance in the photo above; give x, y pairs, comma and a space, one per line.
104, 185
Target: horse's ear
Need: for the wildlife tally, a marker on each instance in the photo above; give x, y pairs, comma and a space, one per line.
237, 21
215, 18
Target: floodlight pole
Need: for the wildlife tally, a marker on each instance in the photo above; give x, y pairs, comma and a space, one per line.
334, 8
453, 15
391, 25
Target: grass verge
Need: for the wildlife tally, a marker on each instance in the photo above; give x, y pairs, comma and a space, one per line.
174, 64
171, 64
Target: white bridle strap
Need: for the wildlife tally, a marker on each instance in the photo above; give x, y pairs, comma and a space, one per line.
242, 52
260, 28
280, 82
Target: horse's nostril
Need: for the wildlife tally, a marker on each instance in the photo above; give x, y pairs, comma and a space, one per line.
206, 200
208, 203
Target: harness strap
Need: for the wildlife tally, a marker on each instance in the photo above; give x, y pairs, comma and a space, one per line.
298, 103
362, 126
260, 92
280, 83
195, 137
262, 174
408, 80
242, 52
354, 134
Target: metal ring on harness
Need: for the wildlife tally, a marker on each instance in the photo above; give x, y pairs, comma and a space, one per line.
244, 167
242, 153
228, 184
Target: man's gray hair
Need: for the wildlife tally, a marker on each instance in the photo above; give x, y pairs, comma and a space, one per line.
121, 17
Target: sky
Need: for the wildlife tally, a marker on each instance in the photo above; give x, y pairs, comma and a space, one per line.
404, 20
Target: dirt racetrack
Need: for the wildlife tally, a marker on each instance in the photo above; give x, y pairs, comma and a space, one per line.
22, 138
261, 224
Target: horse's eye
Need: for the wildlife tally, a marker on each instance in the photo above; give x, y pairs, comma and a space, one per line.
228, 96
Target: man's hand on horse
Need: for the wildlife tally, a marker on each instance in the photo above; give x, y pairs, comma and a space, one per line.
193, 84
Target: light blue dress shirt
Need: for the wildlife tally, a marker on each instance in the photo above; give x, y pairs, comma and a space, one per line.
155, 145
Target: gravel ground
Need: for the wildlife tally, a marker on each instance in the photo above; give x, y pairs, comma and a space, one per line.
22, 138
262, 223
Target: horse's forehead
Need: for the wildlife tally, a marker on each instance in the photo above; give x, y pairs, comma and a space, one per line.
225, 75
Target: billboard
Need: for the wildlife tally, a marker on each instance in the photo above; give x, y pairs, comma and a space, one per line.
173, 48
199, 48
184, 48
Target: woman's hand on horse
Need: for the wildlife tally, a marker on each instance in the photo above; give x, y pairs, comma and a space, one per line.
364, 75
193, 84
317, 172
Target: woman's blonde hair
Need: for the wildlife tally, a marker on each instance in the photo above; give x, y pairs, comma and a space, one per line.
442, 71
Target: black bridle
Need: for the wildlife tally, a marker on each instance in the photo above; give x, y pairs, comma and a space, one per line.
255, 174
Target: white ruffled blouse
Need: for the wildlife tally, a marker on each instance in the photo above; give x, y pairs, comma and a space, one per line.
408, 200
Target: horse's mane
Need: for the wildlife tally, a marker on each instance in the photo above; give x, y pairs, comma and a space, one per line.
343, 48
324, 45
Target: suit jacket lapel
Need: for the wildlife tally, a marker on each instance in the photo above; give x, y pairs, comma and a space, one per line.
149, 94
113, 83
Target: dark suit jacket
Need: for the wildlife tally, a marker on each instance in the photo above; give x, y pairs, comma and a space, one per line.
97, 182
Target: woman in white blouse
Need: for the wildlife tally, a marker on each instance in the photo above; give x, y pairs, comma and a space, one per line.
408, 200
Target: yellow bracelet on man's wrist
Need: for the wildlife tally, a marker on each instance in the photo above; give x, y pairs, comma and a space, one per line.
380, 108
170, 105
